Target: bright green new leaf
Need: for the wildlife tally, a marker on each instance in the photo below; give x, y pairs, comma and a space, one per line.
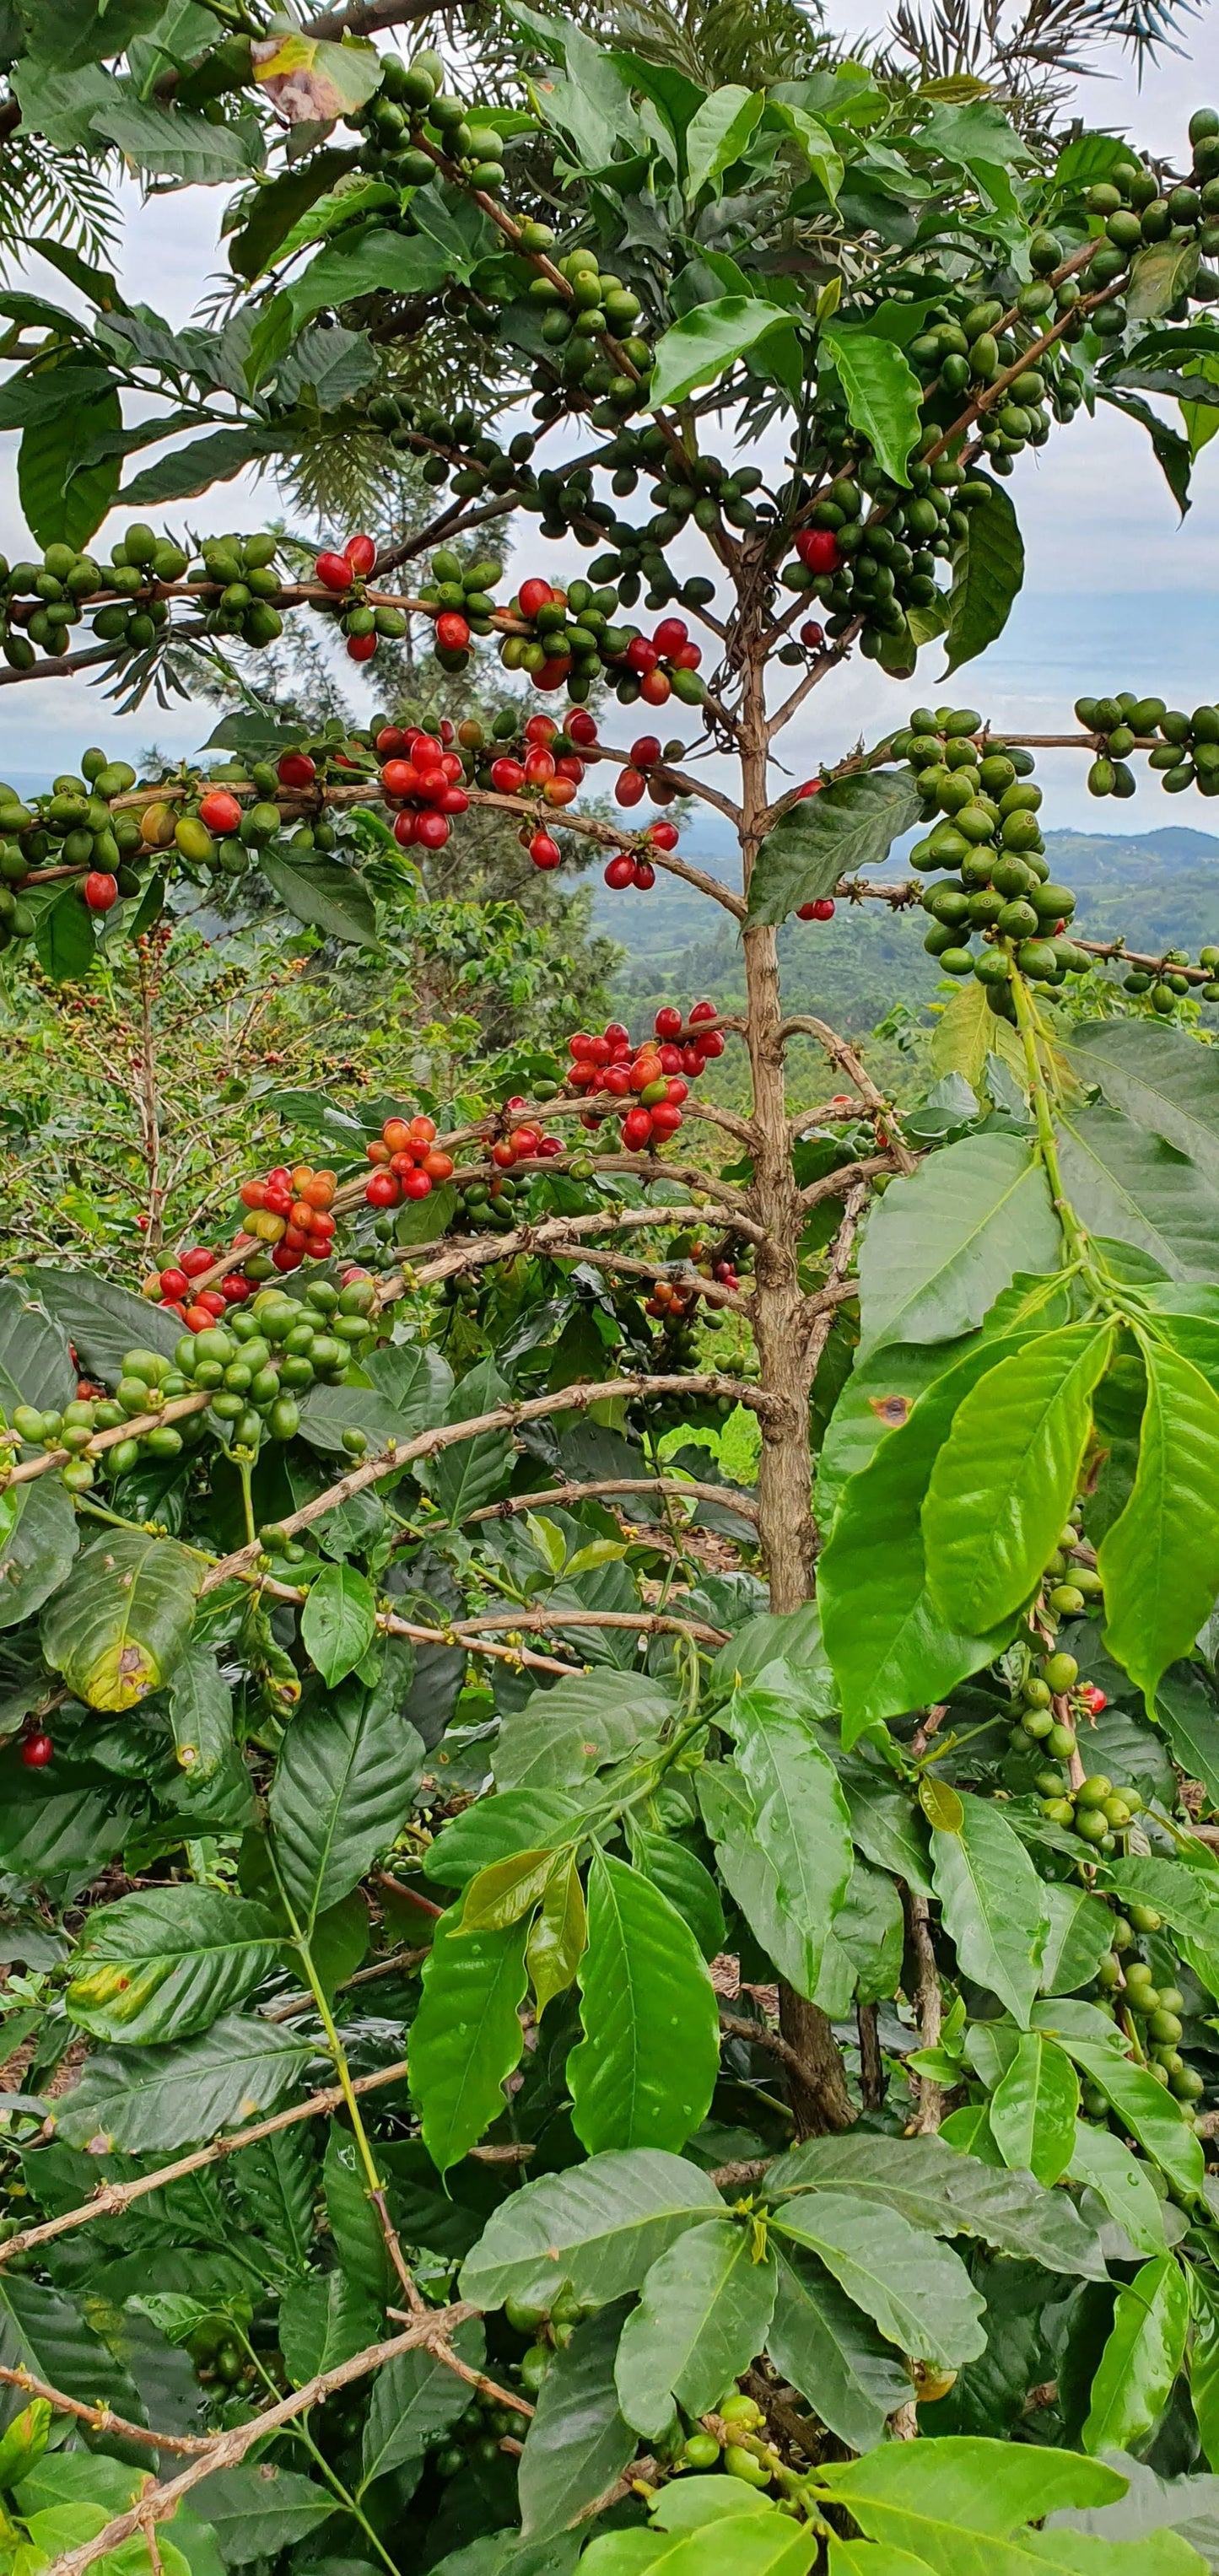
1033, 2109
717, 134
801, 1818
644, 2073
1003, 1483
707, 341
882, 392
466, 2037
1141, 2358
1160, 1559
945, 1241
1121, 2181
505, 1891
955, 2501
701, 2319
557, 1935
166, 1961
991, 1898
1123, 1181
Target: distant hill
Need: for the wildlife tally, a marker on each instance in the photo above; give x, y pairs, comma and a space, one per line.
1160, 888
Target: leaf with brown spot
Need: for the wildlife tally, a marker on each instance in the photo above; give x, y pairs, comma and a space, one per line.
118, 1629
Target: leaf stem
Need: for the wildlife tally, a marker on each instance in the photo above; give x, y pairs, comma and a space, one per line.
1029, 1027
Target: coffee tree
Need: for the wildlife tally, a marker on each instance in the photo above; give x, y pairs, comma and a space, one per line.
572, 2006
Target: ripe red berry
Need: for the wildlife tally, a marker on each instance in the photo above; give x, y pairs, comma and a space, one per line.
819, 549
404, 829
100, 891
667, 1022
539, 767
380, 1190
220, 811
553, 674
390, 739
36, 1751
811, 787
194, 1263
712, 1044
431, 830
822, 909
582, 727
666, 1118
544, 852
663, 836
296, 769
641, 655
646, 752
534, 595
286, 1256
812, 634
617, 1078
655, 688
507, 776
361, 648
644, 875
416, 1185
452, 631
631, 786
334, 570
670, 635
174, 1283
549, 1146
701, 1011
636, 1129
687, 657
620, 871
541, 730
361, 554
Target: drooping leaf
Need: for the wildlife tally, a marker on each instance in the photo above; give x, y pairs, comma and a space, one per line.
990, 1894
473, 1471
415, 2397
1160, 1558
702, 2316
987, 575
1141, 2359
347, 1770
200, 1713
187, 471
102, 1320
644, 2073
848, 826
718, 133
148, 2099
37, 1549
916, 2290
950, 2194
833, 2353
1126, 1182
165, 1962
1079, 1934
943, 1243
1158, 1077
800, 1814
578, 2442
1186, 1709
117, 1631
882, 393
599, 2225
557, 1935
1033, 2110
1009, 1468
466, 2037
492, 1828
63, 501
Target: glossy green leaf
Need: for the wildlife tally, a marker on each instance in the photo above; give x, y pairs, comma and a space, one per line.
1141, 2359
1189, 1715
740, 2544
474, 1471
956, 2502
166, 1961
707, 341
1144, 2108
62, 500
466, 2036
1137, 1187
505, 1891
1204, 2362
321, 891
681, 1876
1154, 1073
37, 1550
599, 2225
848, 826
102, 1319
701, 2319
493, 1828
257, 2508
578, 2442
1160, 1558
563, 1735
151, 2099
347, 1770
324, 2318
1121, 2181
200, 1713
188, 471
339, 1621
990, 1895
557, 1935
987, 576
882, 393
1079, 1934
800, 1814
1003, 1483
916, 2290
1032, 2111
415, 2397
169, 143
943, 1243
833, 2354
119, 1628
44, 2331
644, 2073
717, 134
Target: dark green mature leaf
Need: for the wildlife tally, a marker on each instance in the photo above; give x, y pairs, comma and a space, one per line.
44, 2331
850, 824
833, 2354
702, 2315
493, 1828
987, 574
1010, 1467
707, 341
1143, 2107
62, 1836
1158, 1076
578, 2442
466, 2037
943, 1243
166, 1961
347, 1770
279, 204
322, 891
323, 2319
1079, 1935
62, 503
118, 1630
416, 2396
563, 1735
194, 469
473, 1471
37, 1551
916, 2290
169, 143
890, 1648
257, 2510
200, 1713
1141, 2358
149, 2099
1121, 2181
645, 2071
1187, 1710
101, 1319
991, 1898
370, 261
1159, 274
1033, 2109
1160, 1558
64, 935
339, 1621
1137, 1187
882, 393
950, 2194
800, 1814
680, 1875
35, 1364
599, 2225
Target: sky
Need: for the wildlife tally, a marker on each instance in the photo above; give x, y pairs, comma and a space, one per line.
1118, 592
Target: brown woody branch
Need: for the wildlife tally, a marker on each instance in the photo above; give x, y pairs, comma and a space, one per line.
102, 2419
562, 1495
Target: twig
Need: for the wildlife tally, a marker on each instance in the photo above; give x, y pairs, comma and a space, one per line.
929, 2007
562, 1495
101, 2419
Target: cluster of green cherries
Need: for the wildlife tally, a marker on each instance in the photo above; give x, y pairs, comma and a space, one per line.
991, 839
1136, 212
147, 1383
73, 826
961, 354
255, 1366
1186, 755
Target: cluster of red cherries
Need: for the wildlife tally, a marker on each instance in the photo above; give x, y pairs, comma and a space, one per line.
198, 1308
654, 1076
672, 1300
407, 1162
290, 1211
423, 780
338, 572
654, 658
540, 770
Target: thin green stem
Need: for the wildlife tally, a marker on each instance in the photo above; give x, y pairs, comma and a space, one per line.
1029, 1027
333, 2041
300, 2430
244, 1466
